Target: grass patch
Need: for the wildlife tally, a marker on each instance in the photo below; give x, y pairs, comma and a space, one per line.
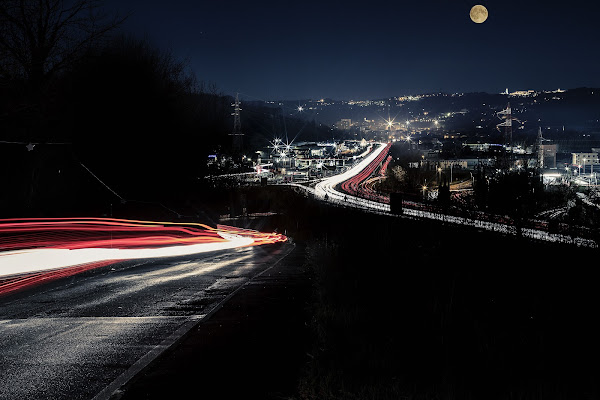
416, 310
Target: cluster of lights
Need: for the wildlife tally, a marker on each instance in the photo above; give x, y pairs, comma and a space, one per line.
279, 148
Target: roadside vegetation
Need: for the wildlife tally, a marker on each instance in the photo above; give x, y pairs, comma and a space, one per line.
407, 309
95, 121
518, 194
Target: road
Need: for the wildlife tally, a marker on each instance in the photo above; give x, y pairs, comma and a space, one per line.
327, 190
83, 336
327, 187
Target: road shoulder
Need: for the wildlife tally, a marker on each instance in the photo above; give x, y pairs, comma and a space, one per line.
254, 345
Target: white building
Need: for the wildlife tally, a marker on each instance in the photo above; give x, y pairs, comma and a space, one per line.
582, 160
585, 158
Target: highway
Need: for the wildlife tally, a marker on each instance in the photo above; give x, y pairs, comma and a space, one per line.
326, 189
84, 336
86, 303
347, 190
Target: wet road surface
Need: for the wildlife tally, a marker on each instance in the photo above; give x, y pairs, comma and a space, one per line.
75, 337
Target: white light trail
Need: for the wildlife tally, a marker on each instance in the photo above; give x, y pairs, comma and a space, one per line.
35, 260
327, 187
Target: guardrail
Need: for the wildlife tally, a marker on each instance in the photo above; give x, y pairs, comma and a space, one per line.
407, 212
326, 191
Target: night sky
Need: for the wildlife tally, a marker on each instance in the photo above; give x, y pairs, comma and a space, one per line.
308, 49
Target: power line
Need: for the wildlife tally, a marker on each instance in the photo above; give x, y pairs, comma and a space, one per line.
104, 184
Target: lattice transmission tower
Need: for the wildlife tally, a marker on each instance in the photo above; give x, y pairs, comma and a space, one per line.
508, 158
236, 133
540, 150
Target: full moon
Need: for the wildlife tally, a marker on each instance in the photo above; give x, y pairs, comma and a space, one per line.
478, 13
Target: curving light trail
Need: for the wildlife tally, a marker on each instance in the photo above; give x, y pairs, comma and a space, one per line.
354, 175
54, 247
354, 185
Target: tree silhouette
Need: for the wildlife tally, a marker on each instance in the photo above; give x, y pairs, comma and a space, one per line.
38, 39
40, 42
444, 193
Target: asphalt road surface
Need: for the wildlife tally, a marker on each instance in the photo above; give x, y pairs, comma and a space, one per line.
82, 337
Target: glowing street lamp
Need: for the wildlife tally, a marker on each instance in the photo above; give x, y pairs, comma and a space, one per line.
275, 144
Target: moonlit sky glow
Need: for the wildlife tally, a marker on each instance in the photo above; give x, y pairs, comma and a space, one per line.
356, 50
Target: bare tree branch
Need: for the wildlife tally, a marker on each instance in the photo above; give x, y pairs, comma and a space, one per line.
38, 38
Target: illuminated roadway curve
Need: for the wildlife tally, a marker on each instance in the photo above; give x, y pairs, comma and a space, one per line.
325, 190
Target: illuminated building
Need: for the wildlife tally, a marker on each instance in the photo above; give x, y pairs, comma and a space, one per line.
584, 159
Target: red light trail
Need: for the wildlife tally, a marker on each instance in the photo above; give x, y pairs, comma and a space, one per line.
33, 251
355, 185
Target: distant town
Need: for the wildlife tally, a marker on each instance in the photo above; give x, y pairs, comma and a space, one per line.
556, 132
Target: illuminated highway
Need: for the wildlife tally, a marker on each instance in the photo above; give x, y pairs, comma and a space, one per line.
348, 190
129, 290
327, 188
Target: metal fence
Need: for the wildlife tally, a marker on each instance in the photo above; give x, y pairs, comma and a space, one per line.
408, 211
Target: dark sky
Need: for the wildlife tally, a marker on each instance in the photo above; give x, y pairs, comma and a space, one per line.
373, 49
